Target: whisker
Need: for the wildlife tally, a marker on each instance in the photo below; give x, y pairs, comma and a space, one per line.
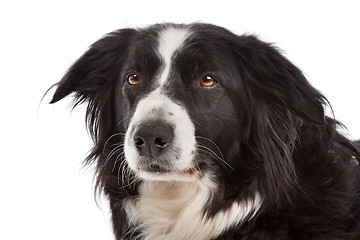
133, 180
205, 156
125, 119
214, 154
115, 134
124, 170
123, 166
211, 141
114, 151
118, 175
117, 159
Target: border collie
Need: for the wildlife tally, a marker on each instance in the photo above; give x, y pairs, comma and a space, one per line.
203, 134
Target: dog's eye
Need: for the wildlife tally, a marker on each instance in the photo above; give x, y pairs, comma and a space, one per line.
133, 79
207, 81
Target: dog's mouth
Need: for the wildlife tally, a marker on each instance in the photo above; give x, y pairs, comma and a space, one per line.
189, 174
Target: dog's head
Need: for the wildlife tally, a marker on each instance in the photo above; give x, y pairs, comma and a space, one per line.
185, 102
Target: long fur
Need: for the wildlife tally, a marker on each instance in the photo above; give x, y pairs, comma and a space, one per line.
271, 165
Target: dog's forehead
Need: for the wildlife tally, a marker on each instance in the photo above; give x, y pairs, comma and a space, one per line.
170, 41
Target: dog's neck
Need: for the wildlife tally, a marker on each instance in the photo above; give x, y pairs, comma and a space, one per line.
175, 210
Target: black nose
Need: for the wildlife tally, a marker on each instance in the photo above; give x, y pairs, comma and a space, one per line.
151, 139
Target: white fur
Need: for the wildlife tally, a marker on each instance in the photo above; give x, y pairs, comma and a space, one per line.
170, 40
158, 106
174, 211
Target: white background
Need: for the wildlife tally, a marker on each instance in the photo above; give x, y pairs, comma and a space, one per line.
45, 193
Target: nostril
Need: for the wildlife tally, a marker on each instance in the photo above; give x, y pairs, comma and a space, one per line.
139, 142
160, 143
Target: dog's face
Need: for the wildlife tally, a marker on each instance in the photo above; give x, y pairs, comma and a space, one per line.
180, 102
174, 106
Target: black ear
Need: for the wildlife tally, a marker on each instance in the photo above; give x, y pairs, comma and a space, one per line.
96, 68
280, 100
272, 77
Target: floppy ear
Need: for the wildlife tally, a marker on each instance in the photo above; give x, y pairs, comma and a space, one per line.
96, 68
278, 81
280, 101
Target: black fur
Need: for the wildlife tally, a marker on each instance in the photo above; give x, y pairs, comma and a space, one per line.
265, 117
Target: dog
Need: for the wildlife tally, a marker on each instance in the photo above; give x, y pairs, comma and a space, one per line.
200, 133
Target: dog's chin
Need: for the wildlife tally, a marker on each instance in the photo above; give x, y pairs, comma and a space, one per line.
184, 176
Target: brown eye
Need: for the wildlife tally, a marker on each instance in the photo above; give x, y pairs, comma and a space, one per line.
207, 81
133, 79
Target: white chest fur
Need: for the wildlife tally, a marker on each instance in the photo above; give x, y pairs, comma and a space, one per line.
174, 211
